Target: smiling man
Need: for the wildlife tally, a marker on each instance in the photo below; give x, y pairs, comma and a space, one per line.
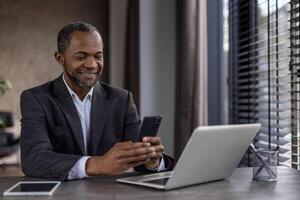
77, 126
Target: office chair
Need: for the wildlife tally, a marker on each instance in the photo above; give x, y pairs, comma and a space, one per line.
8, 143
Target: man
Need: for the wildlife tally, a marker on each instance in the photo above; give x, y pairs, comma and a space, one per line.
76, 126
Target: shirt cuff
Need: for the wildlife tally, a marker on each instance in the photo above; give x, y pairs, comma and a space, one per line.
78, 170
162, 166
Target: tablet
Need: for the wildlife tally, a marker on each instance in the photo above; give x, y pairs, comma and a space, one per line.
36, 188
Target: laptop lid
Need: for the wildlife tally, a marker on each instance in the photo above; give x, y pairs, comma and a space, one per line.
212, 153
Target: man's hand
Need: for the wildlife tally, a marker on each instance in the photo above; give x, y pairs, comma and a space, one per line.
122, 156
155, 142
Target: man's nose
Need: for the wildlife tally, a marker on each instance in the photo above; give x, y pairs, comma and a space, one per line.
90, 63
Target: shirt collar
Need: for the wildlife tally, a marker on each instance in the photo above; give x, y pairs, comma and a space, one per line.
73, 94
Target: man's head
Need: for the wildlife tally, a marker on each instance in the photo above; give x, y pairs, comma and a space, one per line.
80, 52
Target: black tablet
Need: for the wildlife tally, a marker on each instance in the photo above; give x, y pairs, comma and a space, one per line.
36, 188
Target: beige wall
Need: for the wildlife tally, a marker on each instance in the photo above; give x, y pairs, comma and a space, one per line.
28, 30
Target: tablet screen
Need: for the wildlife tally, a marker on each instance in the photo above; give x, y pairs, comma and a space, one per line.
32, 188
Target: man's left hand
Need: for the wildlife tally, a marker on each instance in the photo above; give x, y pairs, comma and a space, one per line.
154, 161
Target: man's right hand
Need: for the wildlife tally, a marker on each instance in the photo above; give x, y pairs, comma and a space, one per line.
122, 156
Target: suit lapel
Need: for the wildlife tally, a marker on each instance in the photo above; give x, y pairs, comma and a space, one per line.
66, 103
99, 112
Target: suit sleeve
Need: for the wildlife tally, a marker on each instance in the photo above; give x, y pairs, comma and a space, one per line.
37, 156
131, 121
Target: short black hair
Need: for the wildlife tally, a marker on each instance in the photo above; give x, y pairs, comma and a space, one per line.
64, 35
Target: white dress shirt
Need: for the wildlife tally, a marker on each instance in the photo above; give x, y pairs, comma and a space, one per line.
84, 109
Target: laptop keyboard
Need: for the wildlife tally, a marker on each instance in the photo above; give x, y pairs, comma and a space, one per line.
161, 181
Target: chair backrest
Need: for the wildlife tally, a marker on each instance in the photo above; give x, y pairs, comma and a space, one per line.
6, 119
8, 143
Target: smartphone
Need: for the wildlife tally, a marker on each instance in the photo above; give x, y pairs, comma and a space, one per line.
150, 126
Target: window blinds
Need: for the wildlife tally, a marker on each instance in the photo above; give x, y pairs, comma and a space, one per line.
259, 76
295, 80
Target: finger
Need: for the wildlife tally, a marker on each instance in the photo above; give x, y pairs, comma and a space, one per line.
135, 164
155, 156
137, 152
135, 159
159, 148
120, 145
153, 140
130, 145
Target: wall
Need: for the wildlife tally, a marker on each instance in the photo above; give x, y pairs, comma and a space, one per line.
28, 41
117, 41
157, 50
217, 69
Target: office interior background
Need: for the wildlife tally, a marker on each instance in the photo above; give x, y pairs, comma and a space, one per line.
198, 63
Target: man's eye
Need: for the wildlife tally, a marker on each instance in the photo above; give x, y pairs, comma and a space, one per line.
80, 57
99, 57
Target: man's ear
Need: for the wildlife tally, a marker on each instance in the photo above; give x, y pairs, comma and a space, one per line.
59, 57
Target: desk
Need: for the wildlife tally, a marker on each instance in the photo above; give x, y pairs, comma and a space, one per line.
239, 186
10, 170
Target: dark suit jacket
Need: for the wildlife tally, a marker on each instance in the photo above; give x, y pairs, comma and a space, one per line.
51, 134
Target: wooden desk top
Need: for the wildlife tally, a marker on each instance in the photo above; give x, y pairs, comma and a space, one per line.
239, 186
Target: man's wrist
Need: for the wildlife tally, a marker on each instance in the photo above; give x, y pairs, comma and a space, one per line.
78, 170
93, 166
155, 167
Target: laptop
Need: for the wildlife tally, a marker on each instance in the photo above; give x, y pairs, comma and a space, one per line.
212, 153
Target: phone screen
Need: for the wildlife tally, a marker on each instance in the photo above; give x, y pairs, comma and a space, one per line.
150, 126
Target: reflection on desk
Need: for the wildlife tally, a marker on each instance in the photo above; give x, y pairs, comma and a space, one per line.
239, 186
10, 170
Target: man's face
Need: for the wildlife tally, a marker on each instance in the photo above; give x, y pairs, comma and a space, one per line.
82, 60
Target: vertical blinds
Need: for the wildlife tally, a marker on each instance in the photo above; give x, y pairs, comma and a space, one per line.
295, 80
259, 76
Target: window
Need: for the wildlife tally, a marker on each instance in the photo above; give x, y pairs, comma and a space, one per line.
259, 75
295, 81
